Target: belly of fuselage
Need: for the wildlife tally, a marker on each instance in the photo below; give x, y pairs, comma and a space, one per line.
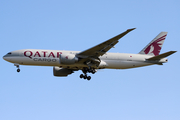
120, 64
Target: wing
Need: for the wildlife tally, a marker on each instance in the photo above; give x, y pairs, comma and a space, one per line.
102, 48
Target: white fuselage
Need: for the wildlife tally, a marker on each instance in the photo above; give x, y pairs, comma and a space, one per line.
39, 57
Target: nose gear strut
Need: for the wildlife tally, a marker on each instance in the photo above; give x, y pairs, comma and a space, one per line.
17, 65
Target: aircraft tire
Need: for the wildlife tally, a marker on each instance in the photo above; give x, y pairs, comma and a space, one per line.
89, 78
81, 76
18, 70
85, 76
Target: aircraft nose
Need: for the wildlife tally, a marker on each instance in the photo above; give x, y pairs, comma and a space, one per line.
5, 57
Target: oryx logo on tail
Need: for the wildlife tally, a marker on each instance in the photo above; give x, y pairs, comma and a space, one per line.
154, 47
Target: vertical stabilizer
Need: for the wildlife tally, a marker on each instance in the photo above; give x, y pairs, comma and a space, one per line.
154, 47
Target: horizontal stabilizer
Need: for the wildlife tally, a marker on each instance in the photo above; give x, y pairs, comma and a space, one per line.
158, 57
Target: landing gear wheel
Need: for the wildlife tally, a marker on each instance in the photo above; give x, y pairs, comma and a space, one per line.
18, 70
81, 76
85, 76
89, 77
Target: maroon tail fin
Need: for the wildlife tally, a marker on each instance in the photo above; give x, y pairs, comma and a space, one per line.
154, 47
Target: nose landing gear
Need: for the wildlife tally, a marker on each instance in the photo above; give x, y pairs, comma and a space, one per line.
17, 65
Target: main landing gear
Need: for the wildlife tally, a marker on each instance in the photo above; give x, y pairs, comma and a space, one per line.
85, 70
17, 65
85, 76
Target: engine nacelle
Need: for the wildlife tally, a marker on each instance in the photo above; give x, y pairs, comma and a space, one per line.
67, 59
61, 72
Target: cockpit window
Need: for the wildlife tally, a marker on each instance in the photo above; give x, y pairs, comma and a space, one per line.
9, 53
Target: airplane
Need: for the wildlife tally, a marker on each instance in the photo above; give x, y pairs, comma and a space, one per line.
89, 61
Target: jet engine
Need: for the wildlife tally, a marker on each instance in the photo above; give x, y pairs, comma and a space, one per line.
61, 72
67, 59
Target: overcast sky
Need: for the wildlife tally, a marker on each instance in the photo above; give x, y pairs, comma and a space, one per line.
146, 93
